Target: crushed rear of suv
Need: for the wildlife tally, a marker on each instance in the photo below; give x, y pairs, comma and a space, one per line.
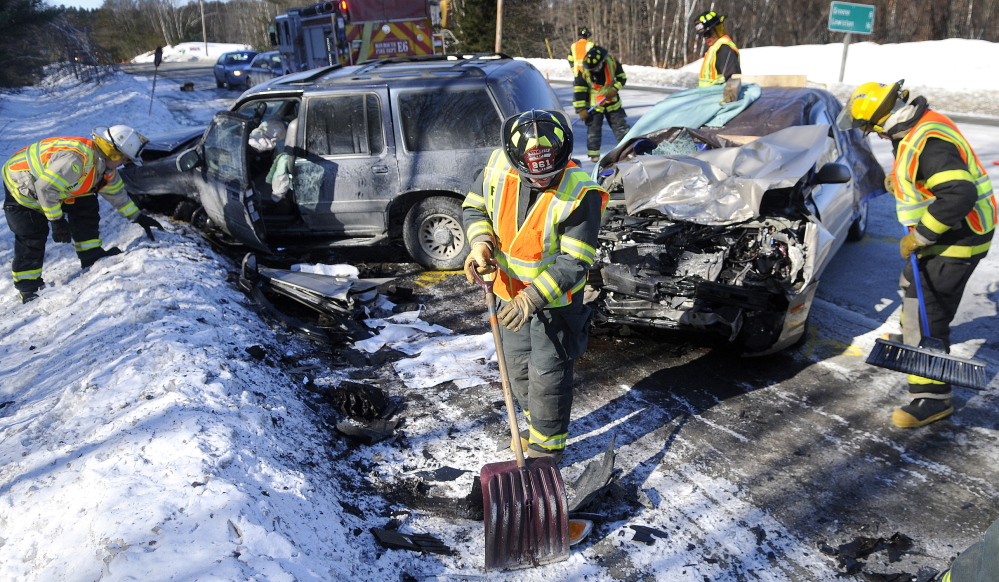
379, 151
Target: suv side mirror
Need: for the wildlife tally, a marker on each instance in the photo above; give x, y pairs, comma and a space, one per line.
188, 160
833, 174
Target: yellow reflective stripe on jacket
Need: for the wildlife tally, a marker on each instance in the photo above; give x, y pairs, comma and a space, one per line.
577, 249
522, 266
956, 251
912, 196
709, 74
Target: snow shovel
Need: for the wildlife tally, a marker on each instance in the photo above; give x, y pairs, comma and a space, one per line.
526, 512
930, 358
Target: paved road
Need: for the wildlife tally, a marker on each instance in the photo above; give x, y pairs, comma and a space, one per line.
746, 463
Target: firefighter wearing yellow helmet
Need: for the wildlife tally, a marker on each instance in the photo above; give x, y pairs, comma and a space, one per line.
721, 59
537, 214
56, 178
944, 196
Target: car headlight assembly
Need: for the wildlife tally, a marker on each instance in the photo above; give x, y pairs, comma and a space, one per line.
237, 73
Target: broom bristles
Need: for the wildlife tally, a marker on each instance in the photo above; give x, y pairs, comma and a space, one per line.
928, 363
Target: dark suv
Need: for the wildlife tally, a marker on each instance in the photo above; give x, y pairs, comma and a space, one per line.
382, 150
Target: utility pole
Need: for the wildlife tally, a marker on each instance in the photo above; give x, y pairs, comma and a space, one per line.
499, 24
204, 35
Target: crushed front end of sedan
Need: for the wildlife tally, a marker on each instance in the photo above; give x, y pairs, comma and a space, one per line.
727, 229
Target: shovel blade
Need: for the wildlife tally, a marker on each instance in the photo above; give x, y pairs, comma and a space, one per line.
526, 514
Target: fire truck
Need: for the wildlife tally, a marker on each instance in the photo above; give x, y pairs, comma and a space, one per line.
353, 31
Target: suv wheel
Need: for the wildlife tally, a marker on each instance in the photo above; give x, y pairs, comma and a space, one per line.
433, 233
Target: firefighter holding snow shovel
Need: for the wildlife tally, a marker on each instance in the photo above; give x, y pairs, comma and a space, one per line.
944, 196
536, 214
55, 179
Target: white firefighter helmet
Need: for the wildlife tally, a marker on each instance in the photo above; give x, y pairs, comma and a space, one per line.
125, 141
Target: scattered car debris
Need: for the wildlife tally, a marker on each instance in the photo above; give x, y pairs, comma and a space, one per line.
338, 301
579, 530
423, 543
594, 479
357, 400
256, 351
441, 474
368, 432
646, 535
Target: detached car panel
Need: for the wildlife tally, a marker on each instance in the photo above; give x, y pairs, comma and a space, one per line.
728, 229
383, 150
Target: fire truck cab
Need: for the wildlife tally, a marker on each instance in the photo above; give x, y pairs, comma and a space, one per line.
353, 31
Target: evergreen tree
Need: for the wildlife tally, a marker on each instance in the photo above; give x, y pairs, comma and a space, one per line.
22, 55
476, 26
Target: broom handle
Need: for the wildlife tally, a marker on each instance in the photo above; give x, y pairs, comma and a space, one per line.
916, 280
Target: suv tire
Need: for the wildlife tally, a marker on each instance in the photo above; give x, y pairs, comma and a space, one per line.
434, 235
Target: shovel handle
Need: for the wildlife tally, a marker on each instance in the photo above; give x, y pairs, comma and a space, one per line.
487, 287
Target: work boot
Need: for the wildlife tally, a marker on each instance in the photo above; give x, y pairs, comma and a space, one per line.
922, 411
555, 455
28, 295
594, 159
89, 257
525, 440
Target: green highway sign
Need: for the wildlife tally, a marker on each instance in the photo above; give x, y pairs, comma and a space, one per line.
850, 17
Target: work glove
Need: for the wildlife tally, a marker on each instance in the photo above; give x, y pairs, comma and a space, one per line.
730, 92
911, 243
890, 184
480, 254
514, 315
583, 114
60, 231
610, 94
148, 224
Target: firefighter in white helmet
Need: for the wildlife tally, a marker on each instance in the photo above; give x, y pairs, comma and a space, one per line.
51, 184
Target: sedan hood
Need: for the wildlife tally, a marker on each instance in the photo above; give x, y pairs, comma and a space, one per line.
724, 185
169, 141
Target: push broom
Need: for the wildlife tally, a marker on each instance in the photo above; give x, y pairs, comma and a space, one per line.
930, 359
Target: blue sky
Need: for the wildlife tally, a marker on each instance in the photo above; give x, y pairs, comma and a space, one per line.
88, 4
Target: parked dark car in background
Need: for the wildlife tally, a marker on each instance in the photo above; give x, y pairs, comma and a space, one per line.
381, 151
727, 229
264, 67
230, 69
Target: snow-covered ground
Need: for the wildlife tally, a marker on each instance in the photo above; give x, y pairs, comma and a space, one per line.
139, 440
191, 51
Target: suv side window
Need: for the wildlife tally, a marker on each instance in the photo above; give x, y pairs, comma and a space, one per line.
344, 125
449, 120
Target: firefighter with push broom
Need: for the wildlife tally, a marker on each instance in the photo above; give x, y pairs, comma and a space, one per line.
721, 58
54, 180
944, 196
535, 213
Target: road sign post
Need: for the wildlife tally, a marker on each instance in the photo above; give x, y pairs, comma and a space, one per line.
850, 18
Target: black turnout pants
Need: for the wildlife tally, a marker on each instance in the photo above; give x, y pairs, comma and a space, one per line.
618, 121
539, 360
943, 281
31, 229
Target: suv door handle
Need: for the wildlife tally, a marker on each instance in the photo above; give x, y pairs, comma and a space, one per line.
379, 169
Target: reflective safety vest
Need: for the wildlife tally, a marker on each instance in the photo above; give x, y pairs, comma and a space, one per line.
609, 80
524, 254
912, 197
35, 159
577, 53
709, 74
